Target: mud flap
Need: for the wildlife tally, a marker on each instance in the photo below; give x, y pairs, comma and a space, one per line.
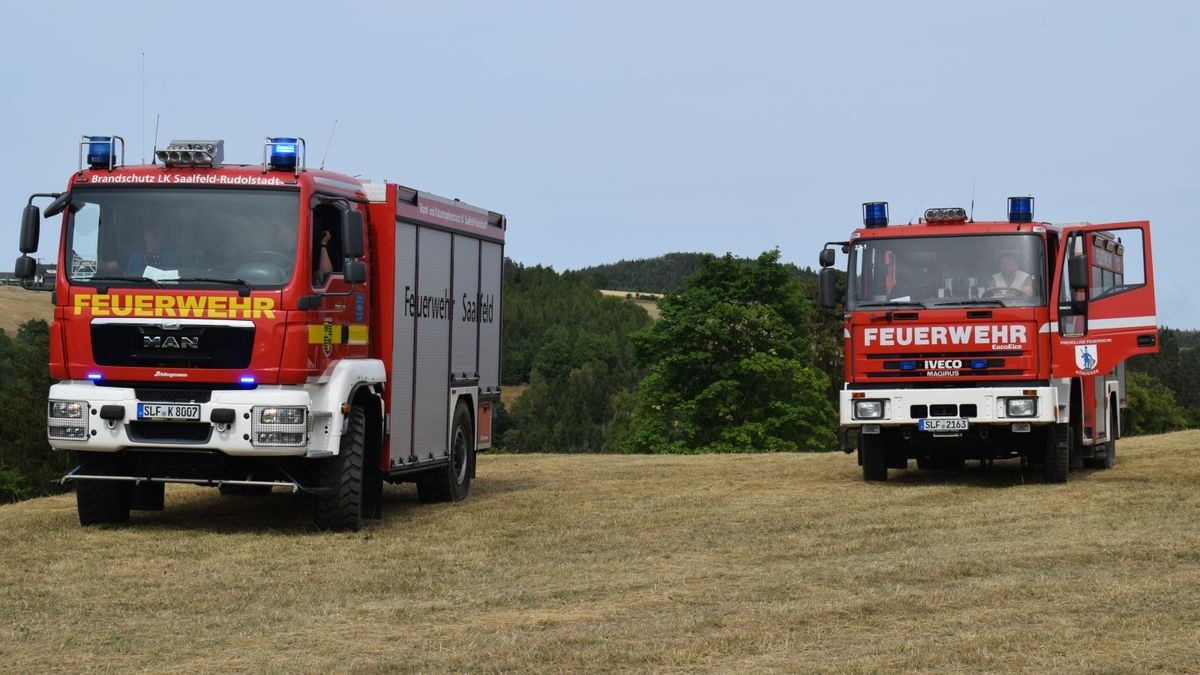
148, 497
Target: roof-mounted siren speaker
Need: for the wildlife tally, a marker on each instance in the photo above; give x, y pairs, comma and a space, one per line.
284, 153
875, 214
1020, 209
208, 154
100, 152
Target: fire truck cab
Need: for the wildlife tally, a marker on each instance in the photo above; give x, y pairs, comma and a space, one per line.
253, 326
989, 340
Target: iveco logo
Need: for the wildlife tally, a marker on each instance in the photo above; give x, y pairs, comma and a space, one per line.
170, 342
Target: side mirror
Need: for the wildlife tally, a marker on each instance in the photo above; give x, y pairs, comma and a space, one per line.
828, 287
827, 257
31, 227
352, 234
58, 205
1077, 271
25, 268
355, 272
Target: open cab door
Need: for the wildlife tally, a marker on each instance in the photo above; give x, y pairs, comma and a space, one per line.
1104, 287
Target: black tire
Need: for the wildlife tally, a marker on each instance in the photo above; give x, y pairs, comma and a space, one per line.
339, 508
244, 490
102, 501
1057, 456
874, 457
452, 482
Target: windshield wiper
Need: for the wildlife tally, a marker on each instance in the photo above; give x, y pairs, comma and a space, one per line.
243, 287
891, 303
972, 301
139, 280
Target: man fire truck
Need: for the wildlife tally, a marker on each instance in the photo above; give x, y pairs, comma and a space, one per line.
989, 340
255, 326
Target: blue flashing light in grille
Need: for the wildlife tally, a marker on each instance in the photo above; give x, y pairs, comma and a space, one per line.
979, 363
875, 214
1020, 209
283, 153
908, 365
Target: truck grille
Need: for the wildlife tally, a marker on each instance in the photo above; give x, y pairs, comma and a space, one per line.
190, 346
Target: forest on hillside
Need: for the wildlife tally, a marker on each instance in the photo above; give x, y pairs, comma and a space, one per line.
732, 365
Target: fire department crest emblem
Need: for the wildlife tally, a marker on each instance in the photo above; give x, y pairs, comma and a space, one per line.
1086, 357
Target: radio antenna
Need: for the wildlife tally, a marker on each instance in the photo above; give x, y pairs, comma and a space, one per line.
154, 155
973, 182
331, 133
919, 205
143, 107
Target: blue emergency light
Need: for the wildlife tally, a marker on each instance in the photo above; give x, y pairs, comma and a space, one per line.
1020, 209
95, 376
875, 214
99, 151
908, 365
247, 379
978, 364
283, 152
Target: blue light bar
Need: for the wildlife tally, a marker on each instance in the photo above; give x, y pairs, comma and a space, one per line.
1020, 209
247, 379
979, 363
95, 376
283, 153
908, 365
875, 214
100, 152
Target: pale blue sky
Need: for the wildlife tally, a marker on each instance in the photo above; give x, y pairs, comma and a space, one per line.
630, 129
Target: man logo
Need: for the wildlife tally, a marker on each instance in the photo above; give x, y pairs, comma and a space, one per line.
1086, 357
170, 342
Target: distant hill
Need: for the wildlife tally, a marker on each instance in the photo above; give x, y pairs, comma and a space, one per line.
662, 274
18, 305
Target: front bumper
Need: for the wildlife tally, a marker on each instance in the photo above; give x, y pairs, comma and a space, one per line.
978, 405
234, 438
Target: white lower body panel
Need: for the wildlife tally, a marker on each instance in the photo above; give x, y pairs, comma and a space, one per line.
989, 405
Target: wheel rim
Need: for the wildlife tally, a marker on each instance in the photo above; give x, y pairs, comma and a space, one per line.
460, 455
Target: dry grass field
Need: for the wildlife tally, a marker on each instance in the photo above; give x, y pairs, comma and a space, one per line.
646, 301
585, 563
18, 305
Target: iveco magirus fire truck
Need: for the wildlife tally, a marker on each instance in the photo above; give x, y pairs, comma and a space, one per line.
255, 326
989, 340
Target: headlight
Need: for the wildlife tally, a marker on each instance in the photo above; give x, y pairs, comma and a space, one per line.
282, 415
66, 410
67, 420
868, 410
279, 425
1021, 407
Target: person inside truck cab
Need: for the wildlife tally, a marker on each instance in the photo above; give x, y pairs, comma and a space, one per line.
153, 254
323, 264
1010, 281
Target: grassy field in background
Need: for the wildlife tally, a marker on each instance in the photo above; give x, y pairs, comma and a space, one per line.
18, 305
647, 301
586, 562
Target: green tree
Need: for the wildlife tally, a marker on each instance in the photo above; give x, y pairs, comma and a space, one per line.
1152, 408
731, 365
26, 462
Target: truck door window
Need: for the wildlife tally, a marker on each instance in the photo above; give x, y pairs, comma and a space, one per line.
326, 218
1117, 260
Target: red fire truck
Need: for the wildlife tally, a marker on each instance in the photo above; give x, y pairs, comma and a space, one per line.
989, 340
255, 326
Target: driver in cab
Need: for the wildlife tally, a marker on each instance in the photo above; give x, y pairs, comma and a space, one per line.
1010, 281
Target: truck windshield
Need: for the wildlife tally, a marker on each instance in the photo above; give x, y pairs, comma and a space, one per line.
948, 271
183, 235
